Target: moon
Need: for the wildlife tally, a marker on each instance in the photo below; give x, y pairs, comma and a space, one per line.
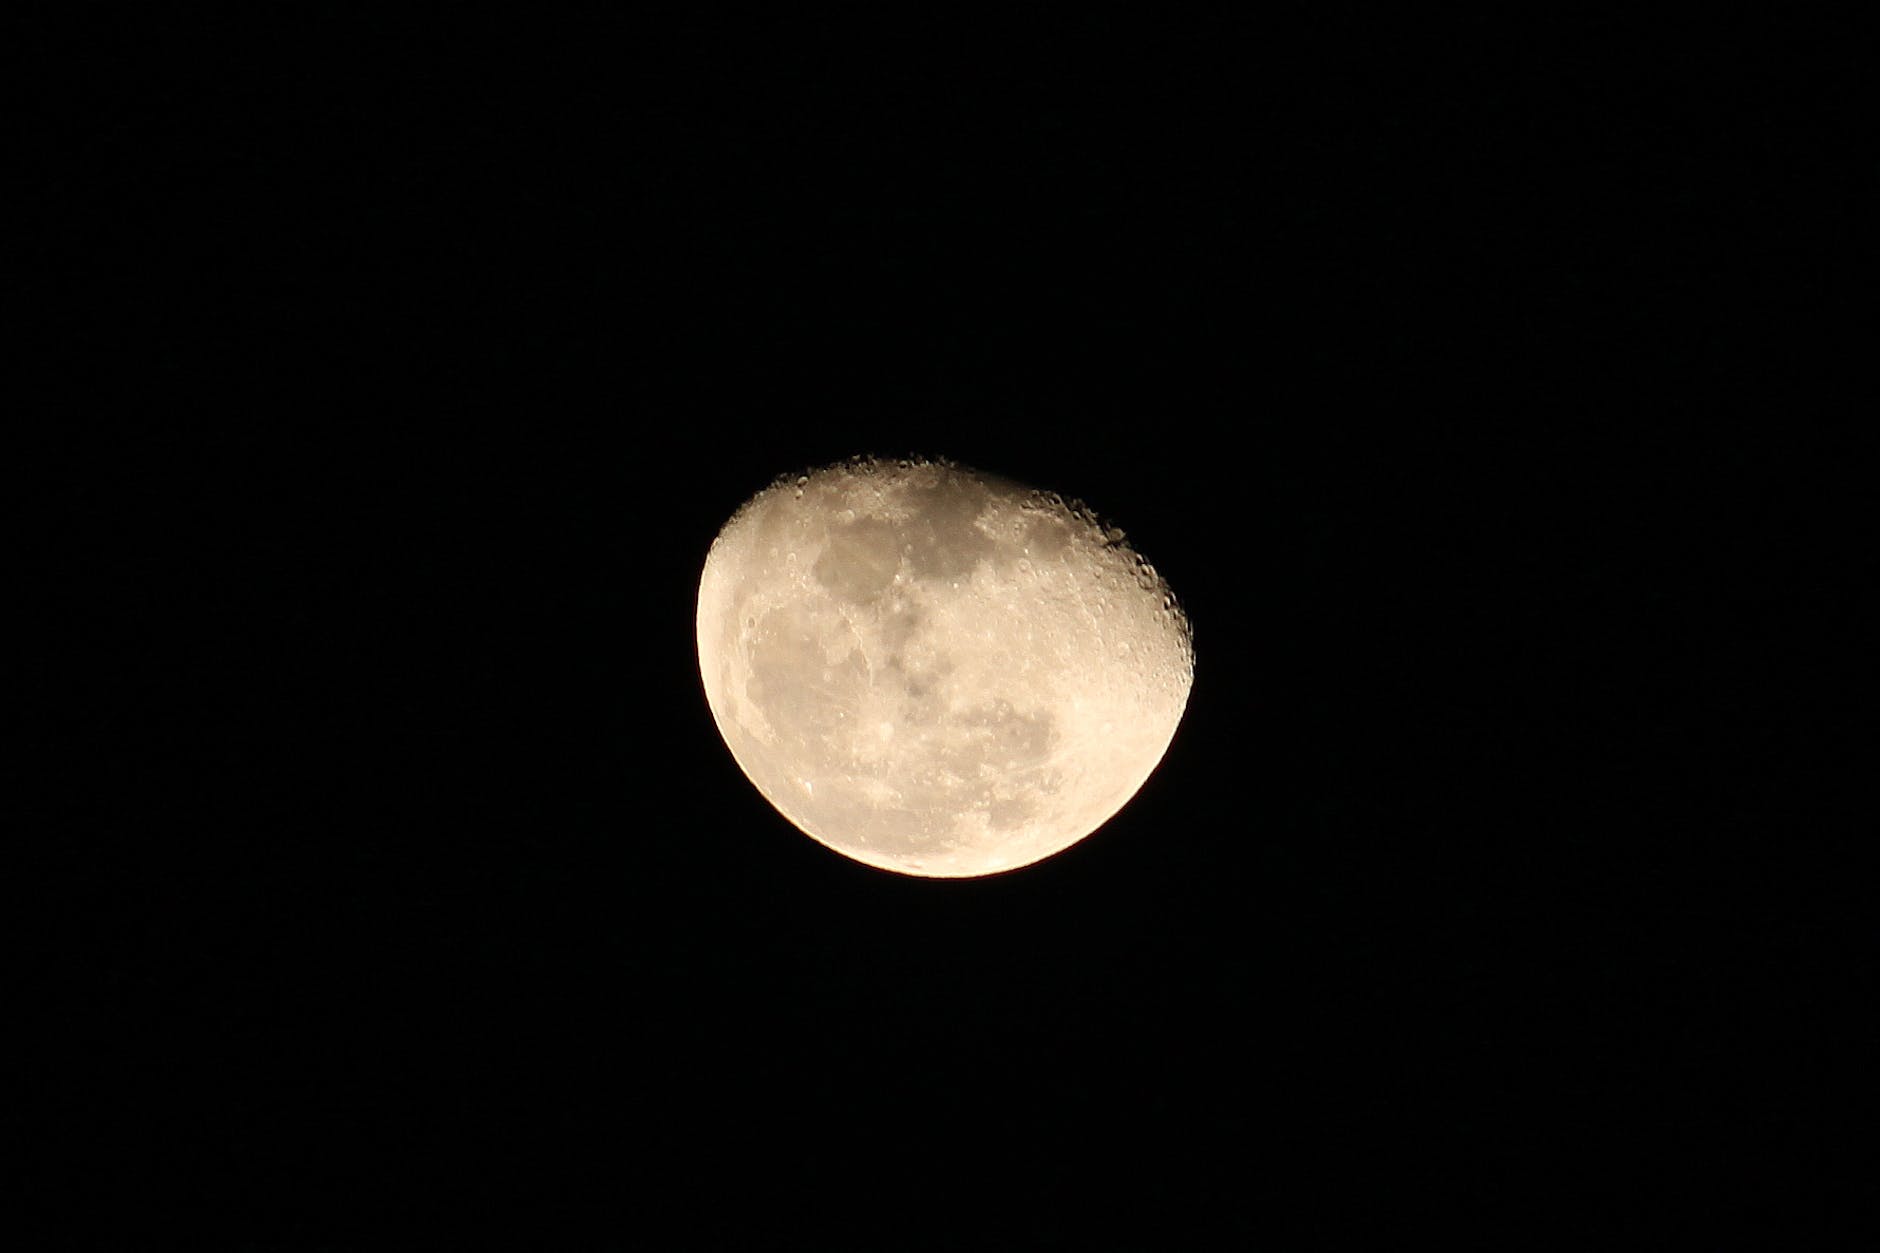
936, 671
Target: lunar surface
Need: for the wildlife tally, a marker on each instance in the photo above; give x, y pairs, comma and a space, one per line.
936, 671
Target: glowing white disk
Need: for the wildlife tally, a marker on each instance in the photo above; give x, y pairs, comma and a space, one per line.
936, 671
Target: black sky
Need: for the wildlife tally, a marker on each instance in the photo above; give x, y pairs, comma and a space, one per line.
420, 358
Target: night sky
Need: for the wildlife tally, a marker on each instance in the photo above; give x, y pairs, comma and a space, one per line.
406, 887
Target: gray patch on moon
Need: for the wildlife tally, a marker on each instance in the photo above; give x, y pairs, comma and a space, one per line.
861, 560
942, 535
1046, 537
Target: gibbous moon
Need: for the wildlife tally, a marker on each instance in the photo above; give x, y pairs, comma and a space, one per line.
936, 671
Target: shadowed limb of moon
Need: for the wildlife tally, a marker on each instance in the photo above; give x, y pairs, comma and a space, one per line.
936, 671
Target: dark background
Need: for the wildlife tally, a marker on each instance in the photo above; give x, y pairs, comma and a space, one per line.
408, 365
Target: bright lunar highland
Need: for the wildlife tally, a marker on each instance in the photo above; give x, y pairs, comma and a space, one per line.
936, 671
